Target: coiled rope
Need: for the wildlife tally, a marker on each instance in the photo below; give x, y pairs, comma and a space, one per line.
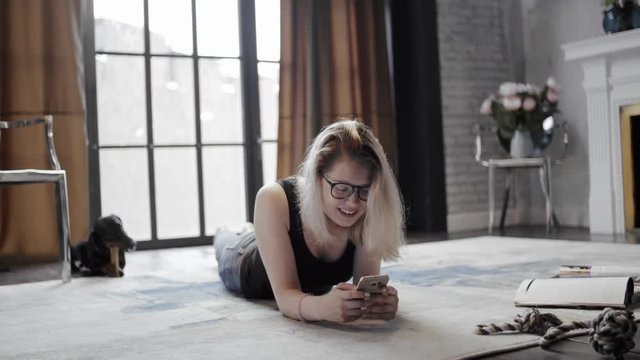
610, 333
613, 332
532, 322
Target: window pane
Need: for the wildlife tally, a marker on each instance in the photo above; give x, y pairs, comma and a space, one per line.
220, 101
224, 189
217, 27
269, 82
173, 101
268, 29
176, 193
122, 115
119, 25
269, 153
124, 188
170, 26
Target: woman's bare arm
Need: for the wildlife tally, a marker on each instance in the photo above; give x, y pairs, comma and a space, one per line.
271, 219
363, 264
383, 306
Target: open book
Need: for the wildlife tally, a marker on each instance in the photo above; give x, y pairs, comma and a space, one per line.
585, 292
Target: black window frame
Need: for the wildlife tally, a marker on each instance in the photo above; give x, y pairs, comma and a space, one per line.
252, 140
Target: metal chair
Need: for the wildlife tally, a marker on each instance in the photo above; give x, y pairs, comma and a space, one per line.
56, 175
543, 163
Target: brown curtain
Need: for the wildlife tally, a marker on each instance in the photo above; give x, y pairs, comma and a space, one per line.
333, 64
41, 72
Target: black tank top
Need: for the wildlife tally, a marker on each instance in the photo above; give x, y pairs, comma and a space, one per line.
316, 276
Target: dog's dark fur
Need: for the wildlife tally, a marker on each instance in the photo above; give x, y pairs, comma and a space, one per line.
93, 257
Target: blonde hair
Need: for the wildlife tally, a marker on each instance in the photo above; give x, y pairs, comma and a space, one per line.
381, 229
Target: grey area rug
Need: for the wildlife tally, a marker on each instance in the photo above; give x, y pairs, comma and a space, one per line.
445, 289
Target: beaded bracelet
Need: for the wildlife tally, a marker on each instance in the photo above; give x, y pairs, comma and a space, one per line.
304, 295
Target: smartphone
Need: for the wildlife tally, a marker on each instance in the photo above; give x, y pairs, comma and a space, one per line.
372, 283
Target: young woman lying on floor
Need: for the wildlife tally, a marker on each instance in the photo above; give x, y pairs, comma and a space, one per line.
337, 219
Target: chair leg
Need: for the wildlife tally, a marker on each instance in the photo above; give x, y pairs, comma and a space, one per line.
545, 183
505, 201
63, 227
491, 199
551, 216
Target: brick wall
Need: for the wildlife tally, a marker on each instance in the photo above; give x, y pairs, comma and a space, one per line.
476, 55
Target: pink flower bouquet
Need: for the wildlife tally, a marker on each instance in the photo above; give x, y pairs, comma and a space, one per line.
523, 107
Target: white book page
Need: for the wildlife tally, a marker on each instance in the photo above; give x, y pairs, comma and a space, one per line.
615, 270
576, 292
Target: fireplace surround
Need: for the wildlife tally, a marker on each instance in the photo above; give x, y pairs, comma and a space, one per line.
611, 68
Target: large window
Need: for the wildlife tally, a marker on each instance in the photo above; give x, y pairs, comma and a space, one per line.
183, 111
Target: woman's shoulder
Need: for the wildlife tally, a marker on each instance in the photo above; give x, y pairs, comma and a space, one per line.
282, 192
271, 192
271, 203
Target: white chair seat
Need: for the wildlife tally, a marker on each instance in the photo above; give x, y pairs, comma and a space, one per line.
57, 175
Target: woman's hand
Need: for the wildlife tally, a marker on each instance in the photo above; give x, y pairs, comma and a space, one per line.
382, 306
343, 304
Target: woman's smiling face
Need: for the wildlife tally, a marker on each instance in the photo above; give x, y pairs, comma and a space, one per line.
345, 212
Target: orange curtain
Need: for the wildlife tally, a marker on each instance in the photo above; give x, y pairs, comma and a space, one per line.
41, 72
333, 64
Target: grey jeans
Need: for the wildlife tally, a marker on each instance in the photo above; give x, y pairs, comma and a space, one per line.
239, 264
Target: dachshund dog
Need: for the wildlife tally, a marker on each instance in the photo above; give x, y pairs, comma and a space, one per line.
93, 257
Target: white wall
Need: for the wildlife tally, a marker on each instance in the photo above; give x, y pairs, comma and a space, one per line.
546, 26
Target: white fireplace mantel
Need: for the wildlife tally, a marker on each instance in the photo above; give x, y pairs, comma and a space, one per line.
611, 67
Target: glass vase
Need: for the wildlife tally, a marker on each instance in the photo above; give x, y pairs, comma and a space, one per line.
521, 144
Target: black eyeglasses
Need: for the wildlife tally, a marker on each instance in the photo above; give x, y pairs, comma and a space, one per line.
342, 191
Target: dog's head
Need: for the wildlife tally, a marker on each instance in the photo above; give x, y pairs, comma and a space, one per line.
109, 232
